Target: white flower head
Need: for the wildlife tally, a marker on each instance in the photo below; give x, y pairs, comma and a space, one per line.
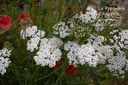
61, 29
31, 31
4, 60
86, 54
49, 52
117, 63
33, 44
72, 47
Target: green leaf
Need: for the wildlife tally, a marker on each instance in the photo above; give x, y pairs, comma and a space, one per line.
29, 1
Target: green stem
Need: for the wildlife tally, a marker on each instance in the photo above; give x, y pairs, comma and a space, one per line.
86, 6
32, 10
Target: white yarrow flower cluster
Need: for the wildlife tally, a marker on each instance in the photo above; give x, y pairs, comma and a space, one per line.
87, 54
31, 31
124, 38
4, 60
119, 39
97, 49
103, 51
32, 44
49, 52
35, 36
28, 32
88, 17
96, 39
81, 54
79, 25
99, 26
61, 29
117, 63
72, 47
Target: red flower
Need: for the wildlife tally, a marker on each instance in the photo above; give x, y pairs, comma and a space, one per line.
5, 21
70, 70
23, 16
57, 64
109, 11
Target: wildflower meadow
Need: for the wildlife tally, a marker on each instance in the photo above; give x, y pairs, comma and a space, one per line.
63, 42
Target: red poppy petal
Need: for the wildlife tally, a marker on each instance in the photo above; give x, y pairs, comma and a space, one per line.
70, 70
57, 64
22, 16
5, 21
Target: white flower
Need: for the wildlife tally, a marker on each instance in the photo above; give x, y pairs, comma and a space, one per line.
96, 39
35, 36
86, 54
72, 47
55, 42
124, 38
4, 60
120, 39
111, 40
99, 26
61, 29
126, 68
50, 43
48, 57
23, 34
49, 52
88, 17
5, 52
33, 44
117, 63
81, 54
40, 33
31, 31
102, 51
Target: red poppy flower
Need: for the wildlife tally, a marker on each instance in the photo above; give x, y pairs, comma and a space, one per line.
57, 64
70, 70
5, 21
23, 16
